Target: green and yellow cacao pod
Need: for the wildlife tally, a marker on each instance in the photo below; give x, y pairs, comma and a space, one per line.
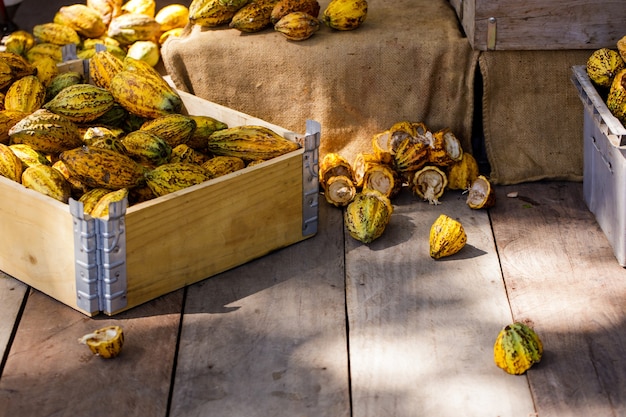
249, 143
48, 181
175, 128
447, 237
47, 132
146, 148
81, 103
517, 348
55, 33
171, 177
11, 166
25, 95
367, 215
103, 168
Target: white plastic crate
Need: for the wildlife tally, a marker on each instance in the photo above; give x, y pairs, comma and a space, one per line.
604, 168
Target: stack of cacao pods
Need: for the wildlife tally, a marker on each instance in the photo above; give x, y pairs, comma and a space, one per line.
135, 28
297, 20
123, 136
406, 154
606, 68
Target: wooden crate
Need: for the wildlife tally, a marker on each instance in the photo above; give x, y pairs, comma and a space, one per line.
541, 24
152, 248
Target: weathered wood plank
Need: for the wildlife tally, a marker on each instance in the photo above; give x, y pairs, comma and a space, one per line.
562, 277
422, 331
12, 294
49, 373
269, 338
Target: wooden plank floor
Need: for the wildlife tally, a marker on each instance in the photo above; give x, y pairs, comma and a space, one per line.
333, 327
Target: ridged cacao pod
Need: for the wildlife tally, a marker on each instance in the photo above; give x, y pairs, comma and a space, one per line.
517, 348
83, 19
175, 128
283, 7
128, 28
222, 165
48, 181
103, 66
47, 132
297, 26
10, 165
55, 33
146, 148
249, 143
103, 168
447, 237
602, 65
81, 103
25, 95
210, 13
171, 177
368, 215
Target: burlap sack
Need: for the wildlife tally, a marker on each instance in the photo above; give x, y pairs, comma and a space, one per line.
532, 115
408, 61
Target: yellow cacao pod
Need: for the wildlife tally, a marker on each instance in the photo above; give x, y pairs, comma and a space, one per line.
362, 162
253, 17
10, 164
184, 153
172, 16
429, 183
445, 149
517, 348
86, 21
101, 208
447, 237
367, 216
19, 42
25, 95
172, 33
106, 342
8, 119
171, 177
616, 100
222, 165
103, 168
383, 178
297, 26
602, 65
334, 164
47, 132
29, 156
339, 190
55, 33
47, 69
48, 181
146, 7
90, 198
462, 174
481, 194
108, 9
132, 27
81, 103
146, 148
283, 7
49, 50
141, 90
147, 51
205, 127
77, 187
175, 128
103, 66
345, 14
210, 13
249, 143
19, 65
62, 80
6, 75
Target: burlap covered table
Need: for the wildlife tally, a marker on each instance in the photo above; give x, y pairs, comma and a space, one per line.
409, 61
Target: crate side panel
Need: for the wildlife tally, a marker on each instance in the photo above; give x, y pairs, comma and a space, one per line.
184, 238
37, 247
549, 25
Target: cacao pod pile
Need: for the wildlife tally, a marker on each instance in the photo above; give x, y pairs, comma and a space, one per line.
296, 20
134, 28
606, 69
407, 154
123, 137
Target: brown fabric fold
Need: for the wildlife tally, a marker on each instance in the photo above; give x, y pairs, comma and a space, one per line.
532, 115
408, 61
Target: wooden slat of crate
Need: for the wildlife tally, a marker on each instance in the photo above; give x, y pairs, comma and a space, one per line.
562, 276
422, 331
38, 241
542, 24
268, 338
